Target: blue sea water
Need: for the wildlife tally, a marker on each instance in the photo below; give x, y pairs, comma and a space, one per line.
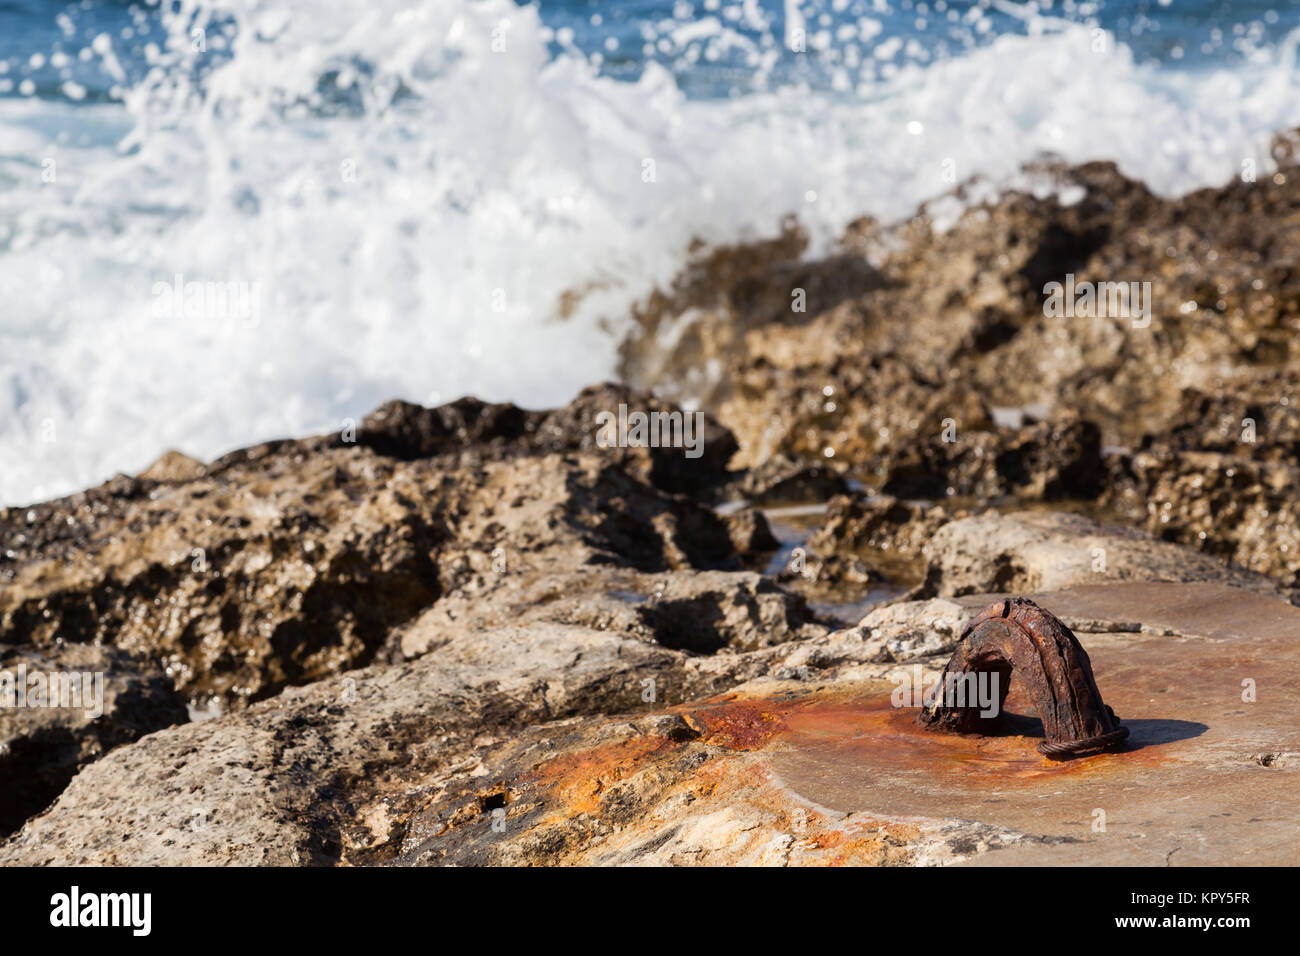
427, 198
622, 36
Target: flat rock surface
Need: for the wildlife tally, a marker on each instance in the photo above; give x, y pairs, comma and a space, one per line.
1205, 777
1047, 551
1194, 609
538, 745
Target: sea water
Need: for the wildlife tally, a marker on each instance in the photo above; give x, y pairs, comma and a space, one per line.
222, 222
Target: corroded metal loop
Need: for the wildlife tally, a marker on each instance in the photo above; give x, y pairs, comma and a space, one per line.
1081, 748
1016, 635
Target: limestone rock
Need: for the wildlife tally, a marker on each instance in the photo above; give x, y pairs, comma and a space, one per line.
1033, 551
885, 532
1236, 508
701, 612
1045, 461
174, 466
286, 781
293, 560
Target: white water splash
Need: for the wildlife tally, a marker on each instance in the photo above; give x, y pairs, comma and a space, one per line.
414, 207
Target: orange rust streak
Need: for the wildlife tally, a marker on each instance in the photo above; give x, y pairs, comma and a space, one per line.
889, 738
579, 778
737, 726
867, 730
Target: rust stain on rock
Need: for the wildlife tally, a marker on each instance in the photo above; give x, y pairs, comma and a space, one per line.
746, 725
877, 734
579, 780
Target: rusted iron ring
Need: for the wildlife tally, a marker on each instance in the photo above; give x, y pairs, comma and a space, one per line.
1085, 747
1016, 635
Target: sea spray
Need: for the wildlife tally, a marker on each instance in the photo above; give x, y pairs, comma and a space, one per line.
435, 205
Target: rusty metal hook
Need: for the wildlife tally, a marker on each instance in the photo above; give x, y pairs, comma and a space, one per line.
1018, 635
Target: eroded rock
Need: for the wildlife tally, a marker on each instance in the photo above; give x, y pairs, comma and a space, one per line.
286, 562
942, 317
702, 612
881, 530
1236, 508
1046, 461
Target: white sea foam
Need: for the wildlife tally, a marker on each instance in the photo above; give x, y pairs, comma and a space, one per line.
413, 230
